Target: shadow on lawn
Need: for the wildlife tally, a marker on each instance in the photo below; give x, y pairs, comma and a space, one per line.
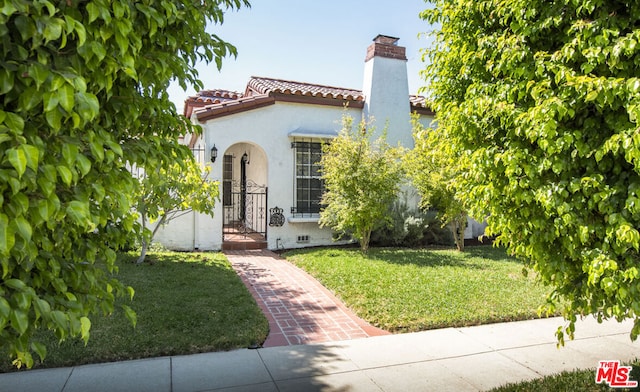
472, 257
185, 303
491, 253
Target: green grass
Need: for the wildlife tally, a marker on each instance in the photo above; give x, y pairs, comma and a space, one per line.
194, 302
185, 303
411, 290
403, 290
577, 380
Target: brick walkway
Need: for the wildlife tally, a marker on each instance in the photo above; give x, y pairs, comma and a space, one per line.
299, 309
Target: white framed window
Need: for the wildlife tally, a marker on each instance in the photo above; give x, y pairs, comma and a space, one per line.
227, 180
309, 186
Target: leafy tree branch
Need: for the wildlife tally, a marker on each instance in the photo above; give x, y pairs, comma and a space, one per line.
436, 171
83, 98
543, 97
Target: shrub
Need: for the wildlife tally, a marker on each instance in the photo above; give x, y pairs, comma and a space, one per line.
409, 227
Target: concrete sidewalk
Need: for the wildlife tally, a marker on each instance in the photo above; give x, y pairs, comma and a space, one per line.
451, 359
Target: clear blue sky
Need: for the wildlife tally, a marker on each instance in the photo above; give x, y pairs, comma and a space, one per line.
313, 41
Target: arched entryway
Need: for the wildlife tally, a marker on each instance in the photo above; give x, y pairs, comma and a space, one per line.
244, 197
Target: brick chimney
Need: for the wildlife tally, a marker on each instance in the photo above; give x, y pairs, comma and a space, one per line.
385, 46
386, 90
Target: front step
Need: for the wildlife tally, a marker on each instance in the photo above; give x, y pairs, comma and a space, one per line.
248, 244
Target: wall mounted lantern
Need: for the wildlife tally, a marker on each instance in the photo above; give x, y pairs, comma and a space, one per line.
214, 153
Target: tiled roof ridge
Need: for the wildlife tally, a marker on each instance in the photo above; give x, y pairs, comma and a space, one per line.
232, 102
264, 85
218, 92
302, 83
213, 96
231, 106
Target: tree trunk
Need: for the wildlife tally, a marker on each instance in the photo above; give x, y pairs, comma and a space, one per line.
143, 252
143, 240
460, 243
146, 242
457, 227
364, 241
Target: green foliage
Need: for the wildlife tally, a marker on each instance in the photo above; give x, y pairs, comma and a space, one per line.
410, 227
396, 230
543, 98
82, 98
169, 191
362, 178
435, 167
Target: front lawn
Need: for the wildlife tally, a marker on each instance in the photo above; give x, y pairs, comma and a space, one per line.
194, 302
404, 290
185, 302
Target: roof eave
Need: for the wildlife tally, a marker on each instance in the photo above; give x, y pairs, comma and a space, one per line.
233, 107
229, 108
317, 100
422, 110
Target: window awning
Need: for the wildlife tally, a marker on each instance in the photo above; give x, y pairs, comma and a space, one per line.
318, 134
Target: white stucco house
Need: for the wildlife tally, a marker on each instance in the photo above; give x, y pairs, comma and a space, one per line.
264, 145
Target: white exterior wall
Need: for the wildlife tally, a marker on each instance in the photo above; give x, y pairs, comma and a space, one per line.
191, 231
426, 121
474, 228
264, 134
178, 234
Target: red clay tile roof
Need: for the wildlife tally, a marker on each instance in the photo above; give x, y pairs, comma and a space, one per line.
261, 92
234, 106
216, 96
208, 97
260, 85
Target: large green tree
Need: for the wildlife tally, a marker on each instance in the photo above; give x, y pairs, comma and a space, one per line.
362, 178
544, 99
82, 99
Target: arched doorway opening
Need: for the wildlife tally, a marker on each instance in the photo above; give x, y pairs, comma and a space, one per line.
244, 197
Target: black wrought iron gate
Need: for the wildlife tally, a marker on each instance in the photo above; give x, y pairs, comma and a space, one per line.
245, 209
